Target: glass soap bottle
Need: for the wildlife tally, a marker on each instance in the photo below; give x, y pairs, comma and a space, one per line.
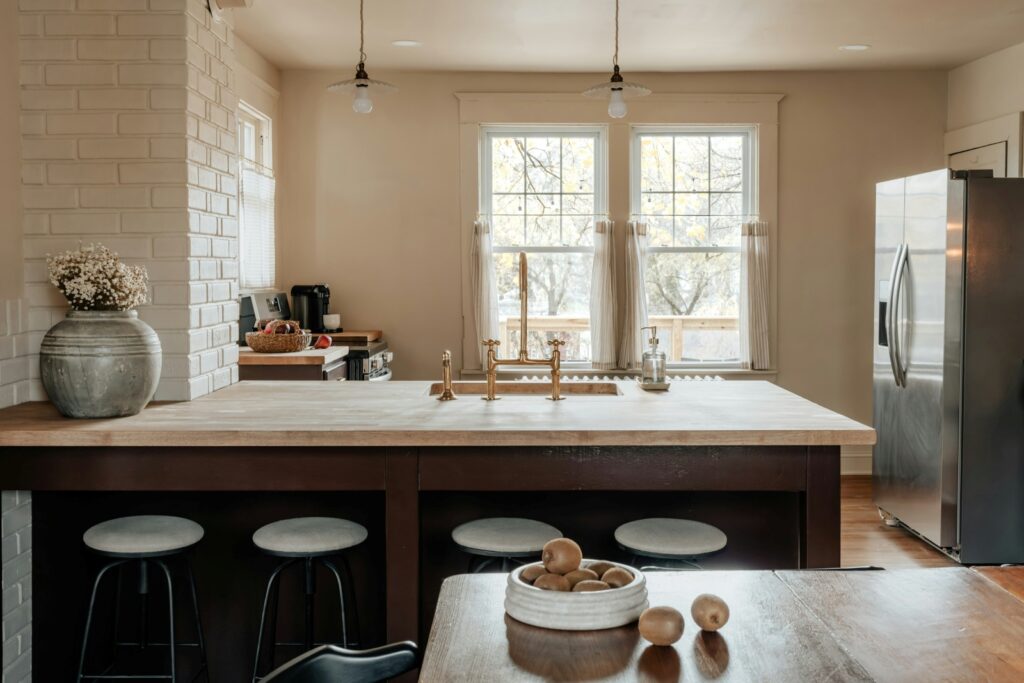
653, 368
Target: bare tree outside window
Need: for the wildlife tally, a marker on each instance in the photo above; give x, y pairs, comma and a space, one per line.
543, 197
692, 191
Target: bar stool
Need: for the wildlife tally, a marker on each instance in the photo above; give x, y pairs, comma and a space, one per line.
679, 540
309, 540
508, 539
144, 540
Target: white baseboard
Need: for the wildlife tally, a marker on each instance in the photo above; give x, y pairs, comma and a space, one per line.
855, 460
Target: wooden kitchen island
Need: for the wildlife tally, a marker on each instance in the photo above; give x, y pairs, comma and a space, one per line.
758, 461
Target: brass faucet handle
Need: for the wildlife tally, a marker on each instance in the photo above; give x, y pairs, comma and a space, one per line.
491, 343
556, 343
446, 358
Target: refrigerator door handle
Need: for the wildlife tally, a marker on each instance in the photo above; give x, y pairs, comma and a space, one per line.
889, 314
896, 343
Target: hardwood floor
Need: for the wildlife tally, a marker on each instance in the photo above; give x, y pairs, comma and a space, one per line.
866, 540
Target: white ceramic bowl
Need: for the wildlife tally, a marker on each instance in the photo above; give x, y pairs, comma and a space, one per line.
584, 611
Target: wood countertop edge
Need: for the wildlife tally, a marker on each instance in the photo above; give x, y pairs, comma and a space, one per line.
427, 438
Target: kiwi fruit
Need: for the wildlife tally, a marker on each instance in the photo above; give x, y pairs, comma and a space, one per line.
709, 612
531, 572
589, 585
552, 582
661, 625
581, 575
617, 577
561, 556
600, 567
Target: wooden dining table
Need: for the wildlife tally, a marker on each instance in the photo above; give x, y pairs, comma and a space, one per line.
948, 624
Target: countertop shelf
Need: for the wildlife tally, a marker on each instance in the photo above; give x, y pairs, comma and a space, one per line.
738, 413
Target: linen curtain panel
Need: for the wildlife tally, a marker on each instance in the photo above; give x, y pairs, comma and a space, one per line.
602, 298
256, 236
484, 290
754, 296
634, 315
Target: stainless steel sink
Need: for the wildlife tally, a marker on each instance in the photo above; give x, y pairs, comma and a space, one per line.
530, 388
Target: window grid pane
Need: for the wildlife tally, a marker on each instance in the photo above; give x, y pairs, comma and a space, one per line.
543, 200
692, 193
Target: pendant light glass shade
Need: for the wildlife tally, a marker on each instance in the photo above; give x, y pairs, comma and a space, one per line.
617, 89
362, 86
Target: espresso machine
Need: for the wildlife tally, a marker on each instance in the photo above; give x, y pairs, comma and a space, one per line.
309, 305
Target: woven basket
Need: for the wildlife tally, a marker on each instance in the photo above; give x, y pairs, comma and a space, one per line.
278, 343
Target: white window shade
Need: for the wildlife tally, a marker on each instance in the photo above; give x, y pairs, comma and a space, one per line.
256, 233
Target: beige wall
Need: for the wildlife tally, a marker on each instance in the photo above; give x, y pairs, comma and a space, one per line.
986, 88
370, 204
10, 155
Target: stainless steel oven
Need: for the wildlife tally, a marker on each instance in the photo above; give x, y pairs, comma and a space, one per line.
369, 362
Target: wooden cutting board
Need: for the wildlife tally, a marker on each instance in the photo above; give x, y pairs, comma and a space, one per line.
356, 336
247, 356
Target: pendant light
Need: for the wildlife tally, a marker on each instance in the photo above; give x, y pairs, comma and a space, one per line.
617, 89
362, 85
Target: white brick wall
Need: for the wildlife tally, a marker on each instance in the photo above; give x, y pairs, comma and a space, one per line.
128, 138
128, 134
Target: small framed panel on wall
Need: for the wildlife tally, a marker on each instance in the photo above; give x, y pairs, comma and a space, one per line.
994, 145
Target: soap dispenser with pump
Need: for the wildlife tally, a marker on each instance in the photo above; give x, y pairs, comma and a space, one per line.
652, 372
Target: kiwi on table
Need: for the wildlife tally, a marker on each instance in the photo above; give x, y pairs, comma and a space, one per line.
661, 625
600, 567
709, 612
561, 556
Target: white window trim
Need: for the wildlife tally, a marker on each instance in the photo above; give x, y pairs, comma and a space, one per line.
478, 109
750, 200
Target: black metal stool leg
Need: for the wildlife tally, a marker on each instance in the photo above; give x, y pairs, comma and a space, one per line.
341, 600
203, 664
275, 598
143, 604
353, 602
117, 617
88, 615
271, 582
170, 619
310, 577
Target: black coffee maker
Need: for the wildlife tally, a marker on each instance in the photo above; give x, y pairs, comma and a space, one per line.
309, 305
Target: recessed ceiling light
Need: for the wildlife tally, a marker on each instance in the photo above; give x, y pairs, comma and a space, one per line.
856, 47
406, 43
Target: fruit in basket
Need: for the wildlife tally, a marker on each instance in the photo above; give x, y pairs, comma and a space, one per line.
561, 556
590, 585
661, 625
709, 612
323, 342
532, 573
268, 328
285, 328
552, 582
617, 577
578, 575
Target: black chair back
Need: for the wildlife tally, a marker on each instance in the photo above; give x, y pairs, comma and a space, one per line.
333, 664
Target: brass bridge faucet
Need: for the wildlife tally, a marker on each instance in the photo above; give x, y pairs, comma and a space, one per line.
446, 375
555, 362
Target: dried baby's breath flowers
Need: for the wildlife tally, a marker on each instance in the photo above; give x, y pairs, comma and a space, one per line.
92, 278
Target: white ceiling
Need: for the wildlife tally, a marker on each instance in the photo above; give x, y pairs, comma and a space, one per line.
656, 35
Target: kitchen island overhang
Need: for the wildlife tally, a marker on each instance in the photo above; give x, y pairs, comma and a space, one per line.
395, 439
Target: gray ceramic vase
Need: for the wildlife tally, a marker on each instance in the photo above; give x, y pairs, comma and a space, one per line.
100, 364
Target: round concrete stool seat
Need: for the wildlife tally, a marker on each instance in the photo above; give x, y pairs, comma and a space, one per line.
504, 536
143, 536
670, 538
309, 536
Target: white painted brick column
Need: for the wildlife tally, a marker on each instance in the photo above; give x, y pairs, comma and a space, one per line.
128, 138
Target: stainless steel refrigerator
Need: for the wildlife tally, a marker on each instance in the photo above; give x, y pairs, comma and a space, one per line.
949, 361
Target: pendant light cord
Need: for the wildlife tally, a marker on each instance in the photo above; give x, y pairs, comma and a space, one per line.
615, 59
362, 53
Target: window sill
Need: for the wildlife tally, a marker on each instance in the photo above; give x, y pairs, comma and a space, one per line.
732, 373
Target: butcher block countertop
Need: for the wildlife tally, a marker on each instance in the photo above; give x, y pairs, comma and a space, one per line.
247, 356
698, 413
